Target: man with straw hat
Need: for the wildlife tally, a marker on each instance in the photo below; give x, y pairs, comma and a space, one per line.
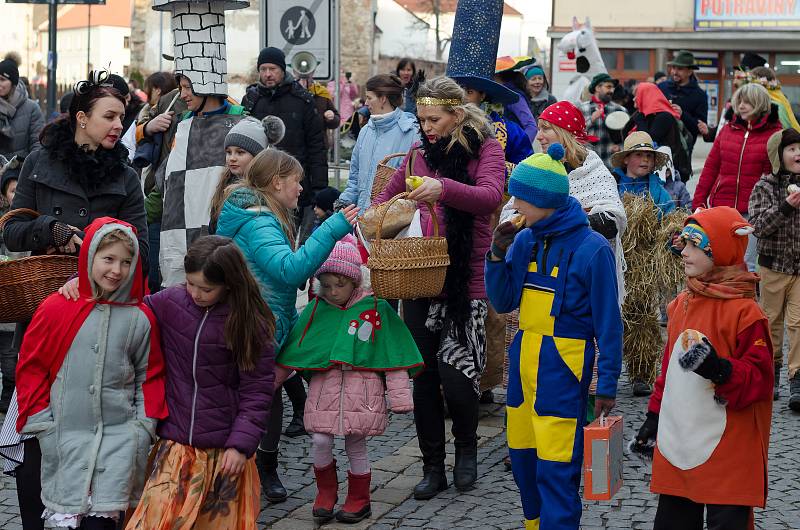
684, 93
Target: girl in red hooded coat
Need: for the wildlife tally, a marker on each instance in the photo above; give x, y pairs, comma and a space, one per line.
712, 404
90, 384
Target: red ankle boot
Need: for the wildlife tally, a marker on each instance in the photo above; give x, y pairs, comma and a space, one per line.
327, 488
356, 506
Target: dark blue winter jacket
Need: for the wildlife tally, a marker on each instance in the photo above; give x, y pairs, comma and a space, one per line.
650, 185
585, 304
692, 100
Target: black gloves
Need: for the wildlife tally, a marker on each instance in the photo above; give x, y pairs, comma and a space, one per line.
703, 360
648, 429
62, 233
645, 441
502, 237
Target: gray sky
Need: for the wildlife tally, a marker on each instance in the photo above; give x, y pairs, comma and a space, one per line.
537, 17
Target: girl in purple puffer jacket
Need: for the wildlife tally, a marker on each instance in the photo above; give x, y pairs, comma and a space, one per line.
357, 351
217, 334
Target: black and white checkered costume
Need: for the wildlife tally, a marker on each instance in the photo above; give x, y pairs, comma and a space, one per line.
193, 170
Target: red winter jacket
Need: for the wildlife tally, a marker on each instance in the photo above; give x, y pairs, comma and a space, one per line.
737, 161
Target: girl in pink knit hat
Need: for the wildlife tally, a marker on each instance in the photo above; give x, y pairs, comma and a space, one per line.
357, 352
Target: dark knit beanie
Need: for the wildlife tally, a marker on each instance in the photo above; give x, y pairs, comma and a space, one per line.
119, 84
325, 198
272, 55
9, 70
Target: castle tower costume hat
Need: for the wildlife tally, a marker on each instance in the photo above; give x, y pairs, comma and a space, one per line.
473, 50
198, 34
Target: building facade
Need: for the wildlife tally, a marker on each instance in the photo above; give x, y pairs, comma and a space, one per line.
637, 39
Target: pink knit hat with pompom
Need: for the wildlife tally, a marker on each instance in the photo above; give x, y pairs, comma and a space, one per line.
344, 260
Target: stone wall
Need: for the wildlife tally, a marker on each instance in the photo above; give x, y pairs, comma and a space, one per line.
357, 28
432, 68
141, 12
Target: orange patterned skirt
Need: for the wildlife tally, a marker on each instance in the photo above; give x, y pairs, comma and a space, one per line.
185, 490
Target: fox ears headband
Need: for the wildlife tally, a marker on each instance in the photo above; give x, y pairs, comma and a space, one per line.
695, 233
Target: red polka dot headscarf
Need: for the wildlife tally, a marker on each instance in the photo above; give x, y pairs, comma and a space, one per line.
567, 116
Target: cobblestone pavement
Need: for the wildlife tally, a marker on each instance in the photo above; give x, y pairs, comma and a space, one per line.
494, 503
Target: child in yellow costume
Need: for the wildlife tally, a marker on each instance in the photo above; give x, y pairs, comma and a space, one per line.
562, 276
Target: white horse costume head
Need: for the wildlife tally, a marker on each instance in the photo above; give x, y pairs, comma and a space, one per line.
580, 45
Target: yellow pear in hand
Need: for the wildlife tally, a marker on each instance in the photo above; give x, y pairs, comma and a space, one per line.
413, 182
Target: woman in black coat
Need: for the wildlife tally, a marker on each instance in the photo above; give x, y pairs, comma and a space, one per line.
80, 173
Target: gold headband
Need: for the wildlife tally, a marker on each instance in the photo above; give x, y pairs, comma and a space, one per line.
436, 101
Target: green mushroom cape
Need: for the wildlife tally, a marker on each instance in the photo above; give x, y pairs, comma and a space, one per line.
368, 335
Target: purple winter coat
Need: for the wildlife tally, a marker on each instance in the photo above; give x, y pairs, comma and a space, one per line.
211, 403
482, 199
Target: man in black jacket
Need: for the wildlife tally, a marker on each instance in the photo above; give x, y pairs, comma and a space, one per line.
278, 94
684, 93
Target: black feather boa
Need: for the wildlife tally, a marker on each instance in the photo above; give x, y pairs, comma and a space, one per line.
452, 164
87, 168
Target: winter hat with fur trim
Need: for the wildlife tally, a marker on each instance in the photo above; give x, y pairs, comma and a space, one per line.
727, 233
344, 260
254, 136
541, 179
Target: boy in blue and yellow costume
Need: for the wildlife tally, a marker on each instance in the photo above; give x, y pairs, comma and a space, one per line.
562, 276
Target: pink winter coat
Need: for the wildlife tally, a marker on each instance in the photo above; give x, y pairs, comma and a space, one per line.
344, 401
488, 172
349, 93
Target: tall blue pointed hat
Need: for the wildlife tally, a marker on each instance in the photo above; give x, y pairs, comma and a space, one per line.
473, 50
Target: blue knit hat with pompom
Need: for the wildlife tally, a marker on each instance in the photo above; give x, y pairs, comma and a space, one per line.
541, 179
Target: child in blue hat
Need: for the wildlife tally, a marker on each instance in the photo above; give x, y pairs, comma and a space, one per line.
562, 276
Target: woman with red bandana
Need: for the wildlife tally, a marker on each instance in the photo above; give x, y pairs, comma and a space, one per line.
656, 117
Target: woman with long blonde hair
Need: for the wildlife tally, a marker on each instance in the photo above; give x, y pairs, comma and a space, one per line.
258, 215
463, 170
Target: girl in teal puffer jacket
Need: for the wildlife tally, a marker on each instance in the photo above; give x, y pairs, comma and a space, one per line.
257, 215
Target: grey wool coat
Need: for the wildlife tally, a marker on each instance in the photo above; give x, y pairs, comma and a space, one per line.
25, 122
95, 436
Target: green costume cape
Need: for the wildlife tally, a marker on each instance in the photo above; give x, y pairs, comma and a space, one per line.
369, 335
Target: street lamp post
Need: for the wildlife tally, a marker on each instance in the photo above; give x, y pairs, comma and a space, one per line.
89, 42
52, 57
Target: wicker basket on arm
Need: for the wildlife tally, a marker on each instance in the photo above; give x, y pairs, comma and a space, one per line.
26, 282
383, 174
408, 268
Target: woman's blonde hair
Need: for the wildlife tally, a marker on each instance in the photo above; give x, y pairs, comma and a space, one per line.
575, 153
268, 166
754, 94
474, 118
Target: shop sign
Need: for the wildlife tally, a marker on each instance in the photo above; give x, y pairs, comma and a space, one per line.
753, 15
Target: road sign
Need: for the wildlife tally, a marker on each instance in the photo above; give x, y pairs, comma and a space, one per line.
302, 25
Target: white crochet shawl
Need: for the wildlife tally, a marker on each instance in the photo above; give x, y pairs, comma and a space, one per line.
596, 189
